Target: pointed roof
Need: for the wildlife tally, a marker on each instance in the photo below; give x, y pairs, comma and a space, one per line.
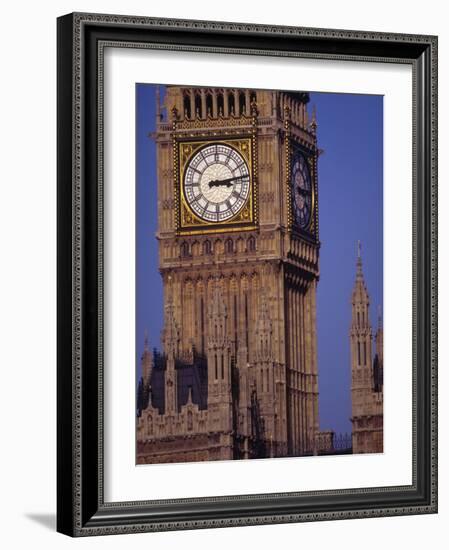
359, 292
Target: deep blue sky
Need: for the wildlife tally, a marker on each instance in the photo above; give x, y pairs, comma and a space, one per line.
350, 172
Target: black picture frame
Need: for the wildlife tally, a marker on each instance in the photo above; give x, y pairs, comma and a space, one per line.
81, 509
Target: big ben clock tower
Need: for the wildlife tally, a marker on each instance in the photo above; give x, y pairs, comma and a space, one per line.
238, 255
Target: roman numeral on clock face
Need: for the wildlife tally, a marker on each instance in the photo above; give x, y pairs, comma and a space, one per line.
219, 180
301, 189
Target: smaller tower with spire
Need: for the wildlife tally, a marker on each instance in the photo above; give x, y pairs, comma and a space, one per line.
366, 388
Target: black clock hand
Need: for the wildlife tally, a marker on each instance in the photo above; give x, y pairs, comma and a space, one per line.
303, 191
227, 181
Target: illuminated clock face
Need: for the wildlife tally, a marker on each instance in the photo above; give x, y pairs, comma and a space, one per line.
216, 183
301, 191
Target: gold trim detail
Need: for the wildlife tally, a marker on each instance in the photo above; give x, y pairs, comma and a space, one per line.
188, 223
220, 121
311, 161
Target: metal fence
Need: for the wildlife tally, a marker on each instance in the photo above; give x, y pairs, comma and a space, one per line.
330, 443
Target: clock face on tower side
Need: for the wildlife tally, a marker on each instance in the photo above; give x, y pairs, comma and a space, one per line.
216, 183
301, 183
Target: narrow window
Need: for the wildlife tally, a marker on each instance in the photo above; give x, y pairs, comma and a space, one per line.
242, 102
189, 421
207, 248
251, 244
358, 349
220, 104
187, 112
231, 103
198, 109
209, 105
184, 250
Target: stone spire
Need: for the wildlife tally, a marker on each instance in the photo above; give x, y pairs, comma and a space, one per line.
360, 293
158, 106
219, 355
313, 123
217, 317
146, 361
264, 330
170, 335
361, 333
171, 346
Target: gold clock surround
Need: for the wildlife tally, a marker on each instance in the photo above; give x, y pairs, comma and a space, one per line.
311, 163
188, 223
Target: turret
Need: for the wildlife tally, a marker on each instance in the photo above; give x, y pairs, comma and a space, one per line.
219, 364
361, 333
218, 346
170, 339
366, 390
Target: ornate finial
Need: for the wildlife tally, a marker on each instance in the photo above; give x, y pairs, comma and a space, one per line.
217, 264
158, 106
379, 316
359, 274
313, 123
253, 107
273, 104
287, 121
145, 341
217, 314
264, 328
170, 332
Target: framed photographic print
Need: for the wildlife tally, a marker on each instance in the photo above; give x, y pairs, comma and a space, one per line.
247, 287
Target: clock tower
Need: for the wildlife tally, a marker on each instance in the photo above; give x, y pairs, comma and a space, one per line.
238, 255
